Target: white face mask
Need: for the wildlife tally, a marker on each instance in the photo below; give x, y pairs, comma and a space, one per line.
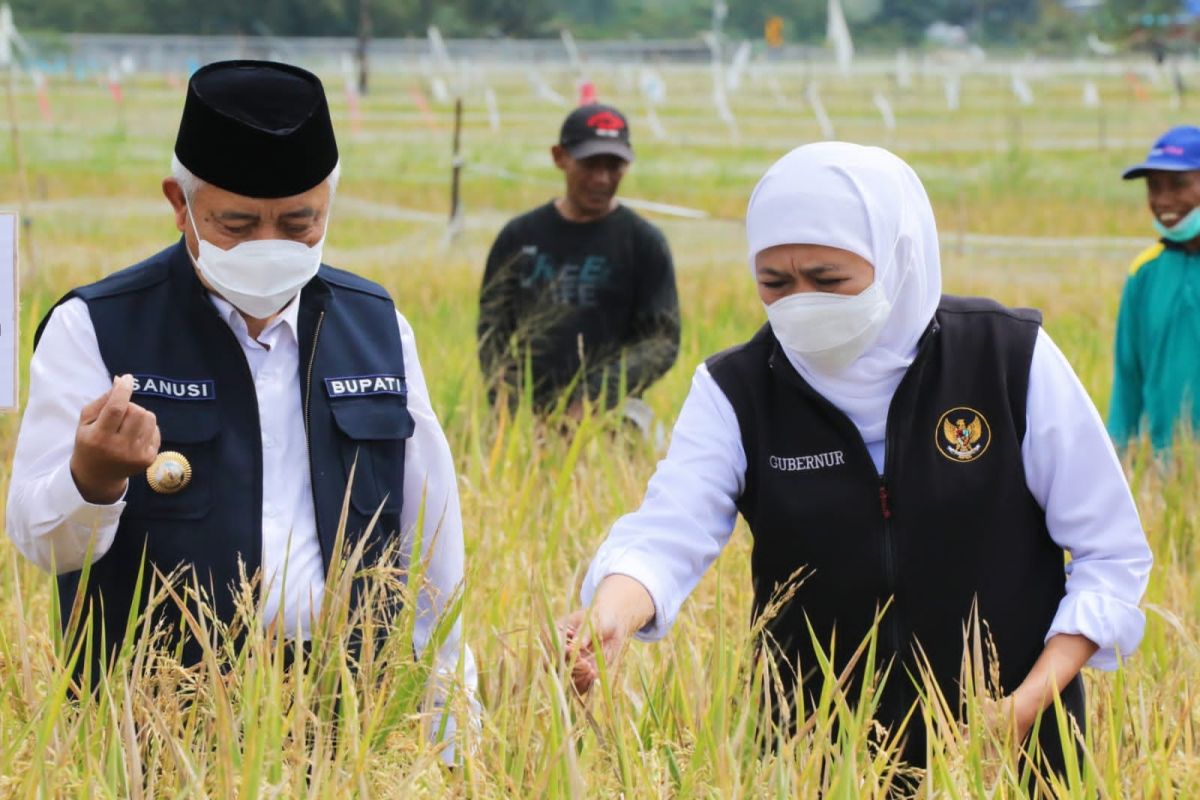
259, 277
829, 331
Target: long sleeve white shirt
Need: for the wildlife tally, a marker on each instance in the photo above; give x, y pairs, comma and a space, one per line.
1071, 469
52, 525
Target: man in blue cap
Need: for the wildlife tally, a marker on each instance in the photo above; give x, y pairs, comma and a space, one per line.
1157, 354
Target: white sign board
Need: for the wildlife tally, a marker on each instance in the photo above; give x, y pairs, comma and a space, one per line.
9, 335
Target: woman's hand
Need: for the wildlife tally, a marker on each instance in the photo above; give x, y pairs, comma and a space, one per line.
1060, 661
621, 607
1008, 719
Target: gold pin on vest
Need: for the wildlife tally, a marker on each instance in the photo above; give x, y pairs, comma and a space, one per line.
170, 472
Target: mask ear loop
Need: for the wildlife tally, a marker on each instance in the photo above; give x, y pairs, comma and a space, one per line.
187, 203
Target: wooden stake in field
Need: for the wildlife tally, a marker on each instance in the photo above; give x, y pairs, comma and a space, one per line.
456, 175
364, 41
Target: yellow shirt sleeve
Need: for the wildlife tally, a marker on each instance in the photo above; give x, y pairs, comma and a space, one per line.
1145, 257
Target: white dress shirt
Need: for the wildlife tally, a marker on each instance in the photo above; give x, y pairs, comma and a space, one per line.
1071, 469
52, 525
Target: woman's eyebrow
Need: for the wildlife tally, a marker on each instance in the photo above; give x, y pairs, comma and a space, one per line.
814, 270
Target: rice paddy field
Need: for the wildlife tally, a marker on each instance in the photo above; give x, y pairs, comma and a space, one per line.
1032, 212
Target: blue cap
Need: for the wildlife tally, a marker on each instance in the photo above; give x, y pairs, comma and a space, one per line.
1177, 150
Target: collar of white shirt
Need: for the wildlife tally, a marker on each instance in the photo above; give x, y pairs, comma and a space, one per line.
284, 323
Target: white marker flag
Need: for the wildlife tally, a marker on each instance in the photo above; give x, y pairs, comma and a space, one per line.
837, 33
572, 51
1098, 47
1021, 90
626, 79
652, 86
437, 87
9, 334
952, 86
8, 35
656, 126
721, 104
740, 59
720, 101
885, 111
776, 91
1091, 95
543, 90
493, 109
720, 11
437, 46
818, 108
903, 70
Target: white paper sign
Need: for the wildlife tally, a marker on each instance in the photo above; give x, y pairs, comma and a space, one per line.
10, 338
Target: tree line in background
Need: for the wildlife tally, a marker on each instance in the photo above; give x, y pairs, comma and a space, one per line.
872, 21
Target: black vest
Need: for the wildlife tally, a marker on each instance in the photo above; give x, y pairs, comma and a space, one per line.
950, 523
155, 321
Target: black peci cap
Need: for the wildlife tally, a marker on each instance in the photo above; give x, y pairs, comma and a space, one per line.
595, 130
257, 128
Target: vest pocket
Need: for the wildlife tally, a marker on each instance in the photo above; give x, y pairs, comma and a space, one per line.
188, 428
373, 430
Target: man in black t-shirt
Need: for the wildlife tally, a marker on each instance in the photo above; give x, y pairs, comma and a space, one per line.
581, 289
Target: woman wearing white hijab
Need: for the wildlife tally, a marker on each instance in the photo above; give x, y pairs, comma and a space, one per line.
894, 443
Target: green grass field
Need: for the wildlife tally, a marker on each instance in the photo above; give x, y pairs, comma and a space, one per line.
1009, 185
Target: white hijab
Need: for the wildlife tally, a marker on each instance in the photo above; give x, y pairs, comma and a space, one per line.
868, 201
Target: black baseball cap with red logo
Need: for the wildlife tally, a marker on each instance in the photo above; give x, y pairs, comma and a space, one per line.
595, 130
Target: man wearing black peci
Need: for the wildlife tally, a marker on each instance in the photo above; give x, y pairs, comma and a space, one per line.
206, 408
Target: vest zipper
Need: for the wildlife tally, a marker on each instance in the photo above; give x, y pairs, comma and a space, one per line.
891, 631
312, 360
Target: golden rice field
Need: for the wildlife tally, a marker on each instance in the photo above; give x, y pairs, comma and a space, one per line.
1032, 212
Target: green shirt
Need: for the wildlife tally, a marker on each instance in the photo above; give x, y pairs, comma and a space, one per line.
1157, 355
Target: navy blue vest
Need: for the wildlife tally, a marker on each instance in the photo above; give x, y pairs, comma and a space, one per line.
949, 527
155, 321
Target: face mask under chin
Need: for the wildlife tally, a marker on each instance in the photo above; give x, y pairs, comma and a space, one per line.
1183, 231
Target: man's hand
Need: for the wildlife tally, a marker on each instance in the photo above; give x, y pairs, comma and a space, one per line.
115, 439
621, 607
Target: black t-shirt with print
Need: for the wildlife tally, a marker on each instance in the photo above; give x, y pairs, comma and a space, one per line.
598, 296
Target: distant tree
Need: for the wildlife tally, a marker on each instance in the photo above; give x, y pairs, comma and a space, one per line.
877, 21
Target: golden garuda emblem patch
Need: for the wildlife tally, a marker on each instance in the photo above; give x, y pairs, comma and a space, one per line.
962, 434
